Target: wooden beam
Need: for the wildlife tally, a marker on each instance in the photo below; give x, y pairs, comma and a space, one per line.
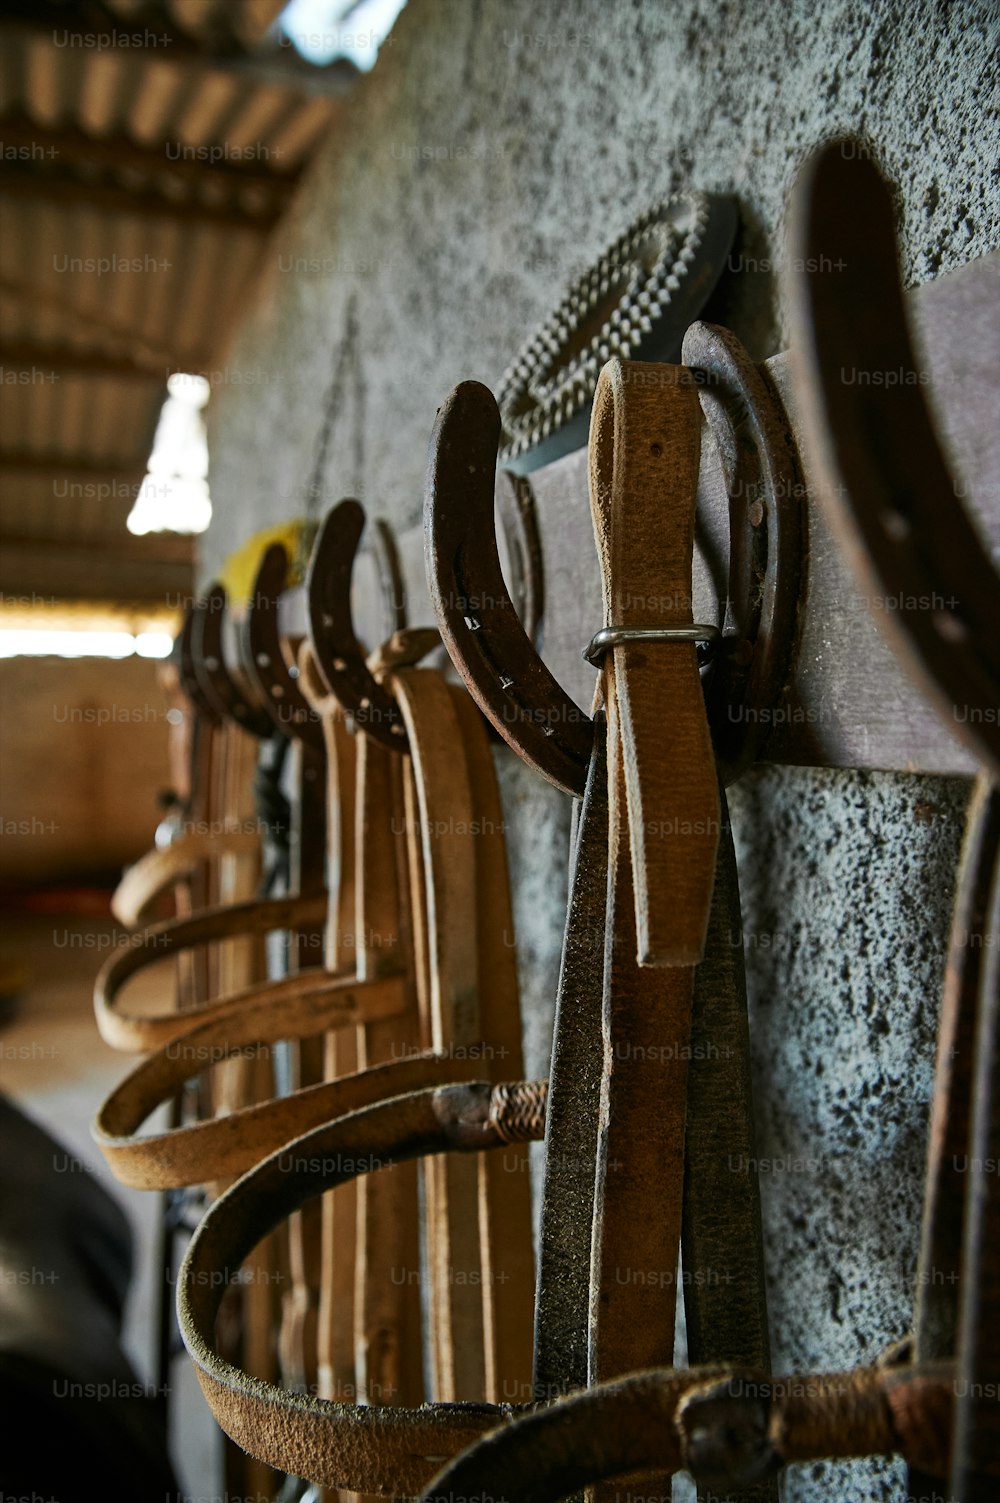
21, 139
59, 186
92, 26
110, 566
51, 359
121, 546
23, 462
147, 352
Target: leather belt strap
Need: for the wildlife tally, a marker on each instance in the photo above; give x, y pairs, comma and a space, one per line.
975, 1463
338, 1233
386, 1302
644, 450
644, 453
299, 1063
725, 1295
937, 1298
204, 750
505, 1222
562, 1303
374, 1449
456, 1295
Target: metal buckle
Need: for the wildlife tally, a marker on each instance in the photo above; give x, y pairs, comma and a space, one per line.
617, 636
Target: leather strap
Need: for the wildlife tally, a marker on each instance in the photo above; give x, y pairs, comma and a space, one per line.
386, 1298
722, 1245
975, 1462
562, 1302
162, 867
338, 1232
729, 1426
505, 1222
644, 453
456, 1294
937, 1297
374, 1449
663, 817
299, 1062
197, 894
134, 1032
217, 1148
238, 963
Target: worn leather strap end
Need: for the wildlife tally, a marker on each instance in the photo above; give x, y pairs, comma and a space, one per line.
644, 452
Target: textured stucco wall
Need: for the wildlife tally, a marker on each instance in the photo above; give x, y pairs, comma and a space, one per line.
500, 144
494, 151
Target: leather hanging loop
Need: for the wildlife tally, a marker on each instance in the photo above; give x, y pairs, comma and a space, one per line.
728, 1425
644, 453
383, 1449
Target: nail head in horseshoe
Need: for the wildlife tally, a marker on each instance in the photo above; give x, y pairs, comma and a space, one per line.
286, 704
476, 616
212, 670
338, 653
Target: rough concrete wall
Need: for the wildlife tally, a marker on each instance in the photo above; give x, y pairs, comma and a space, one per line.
495, 150
846, 888
490, 157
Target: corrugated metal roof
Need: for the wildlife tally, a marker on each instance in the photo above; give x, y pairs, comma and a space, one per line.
137, 188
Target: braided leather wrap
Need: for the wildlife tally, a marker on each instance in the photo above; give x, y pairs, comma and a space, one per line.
517, 1111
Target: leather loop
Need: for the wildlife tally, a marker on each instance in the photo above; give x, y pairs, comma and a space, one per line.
134, 1032
221, 1147
730, 1425
371, 1449
160, 868
456, 883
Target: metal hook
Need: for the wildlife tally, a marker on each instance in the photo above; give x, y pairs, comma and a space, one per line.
884, 480
212, 671
266, 662
338, 654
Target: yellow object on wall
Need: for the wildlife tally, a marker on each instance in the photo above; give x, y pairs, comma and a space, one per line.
240, 569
